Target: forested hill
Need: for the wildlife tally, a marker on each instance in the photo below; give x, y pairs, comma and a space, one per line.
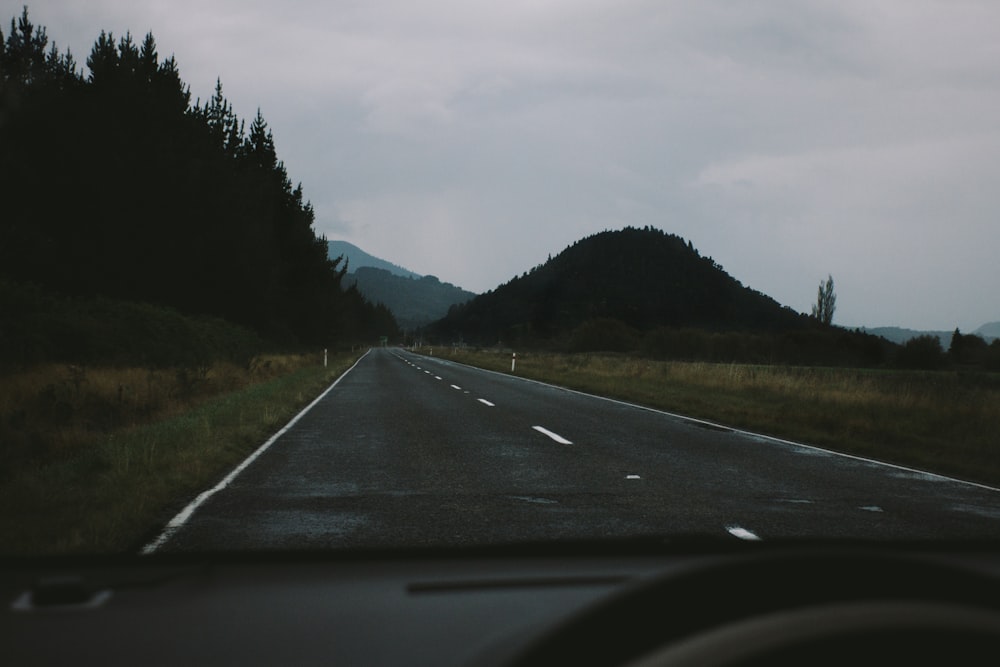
641, 278
115, 184
414, 302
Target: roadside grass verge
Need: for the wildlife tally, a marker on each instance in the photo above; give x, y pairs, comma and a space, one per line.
95, 460
939, 421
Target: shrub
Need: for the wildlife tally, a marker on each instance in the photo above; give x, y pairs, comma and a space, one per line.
922, 352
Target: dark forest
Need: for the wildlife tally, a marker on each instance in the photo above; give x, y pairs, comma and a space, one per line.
115, 185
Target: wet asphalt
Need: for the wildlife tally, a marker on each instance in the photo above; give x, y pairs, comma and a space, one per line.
415, 451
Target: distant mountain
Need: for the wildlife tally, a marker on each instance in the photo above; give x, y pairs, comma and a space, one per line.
642, 278
413, 301
900, 335
989, 331
357, 258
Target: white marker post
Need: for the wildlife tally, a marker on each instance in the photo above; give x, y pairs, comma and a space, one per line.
513, 361
324, 357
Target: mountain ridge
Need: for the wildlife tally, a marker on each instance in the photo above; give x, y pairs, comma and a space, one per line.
989, 330
358, 258
415, 300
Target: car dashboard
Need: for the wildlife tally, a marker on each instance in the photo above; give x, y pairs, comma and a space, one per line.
787, 604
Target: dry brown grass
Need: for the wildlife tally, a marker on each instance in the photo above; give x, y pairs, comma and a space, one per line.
53, 410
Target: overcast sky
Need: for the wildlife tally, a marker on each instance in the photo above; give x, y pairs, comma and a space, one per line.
787, 139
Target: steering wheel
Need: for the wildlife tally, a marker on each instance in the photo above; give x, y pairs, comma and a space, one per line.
802, 608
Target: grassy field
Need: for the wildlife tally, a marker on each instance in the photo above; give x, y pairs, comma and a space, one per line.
96, 459
940, 421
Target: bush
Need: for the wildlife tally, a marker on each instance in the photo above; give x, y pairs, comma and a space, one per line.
921, 353
41, 327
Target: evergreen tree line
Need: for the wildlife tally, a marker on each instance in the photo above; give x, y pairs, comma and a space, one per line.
114, 183
966, 351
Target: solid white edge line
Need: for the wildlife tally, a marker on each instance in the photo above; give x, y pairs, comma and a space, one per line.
555, 436
185, 514
742, 533
760, 436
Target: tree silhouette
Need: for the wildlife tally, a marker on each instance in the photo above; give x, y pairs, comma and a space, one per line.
826, 301
114, 184
968, 348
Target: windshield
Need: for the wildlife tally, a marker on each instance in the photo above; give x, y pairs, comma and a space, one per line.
392, 275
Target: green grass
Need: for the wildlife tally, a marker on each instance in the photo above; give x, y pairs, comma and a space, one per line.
940, 421
104, 481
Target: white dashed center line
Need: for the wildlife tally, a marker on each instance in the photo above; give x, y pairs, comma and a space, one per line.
486, 403
741, 533
455, 386
555, 436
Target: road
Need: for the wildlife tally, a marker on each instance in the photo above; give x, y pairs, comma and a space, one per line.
407, 450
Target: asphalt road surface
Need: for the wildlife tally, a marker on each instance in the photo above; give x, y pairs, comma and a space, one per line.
407, 450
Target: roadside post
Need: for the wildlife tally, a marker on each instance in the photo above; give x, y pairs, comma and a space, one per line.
513, 361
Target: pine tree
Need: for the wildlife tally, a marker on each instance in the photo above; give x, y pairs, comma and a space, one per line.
148, 59
260, 144
25, 51
103, 60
